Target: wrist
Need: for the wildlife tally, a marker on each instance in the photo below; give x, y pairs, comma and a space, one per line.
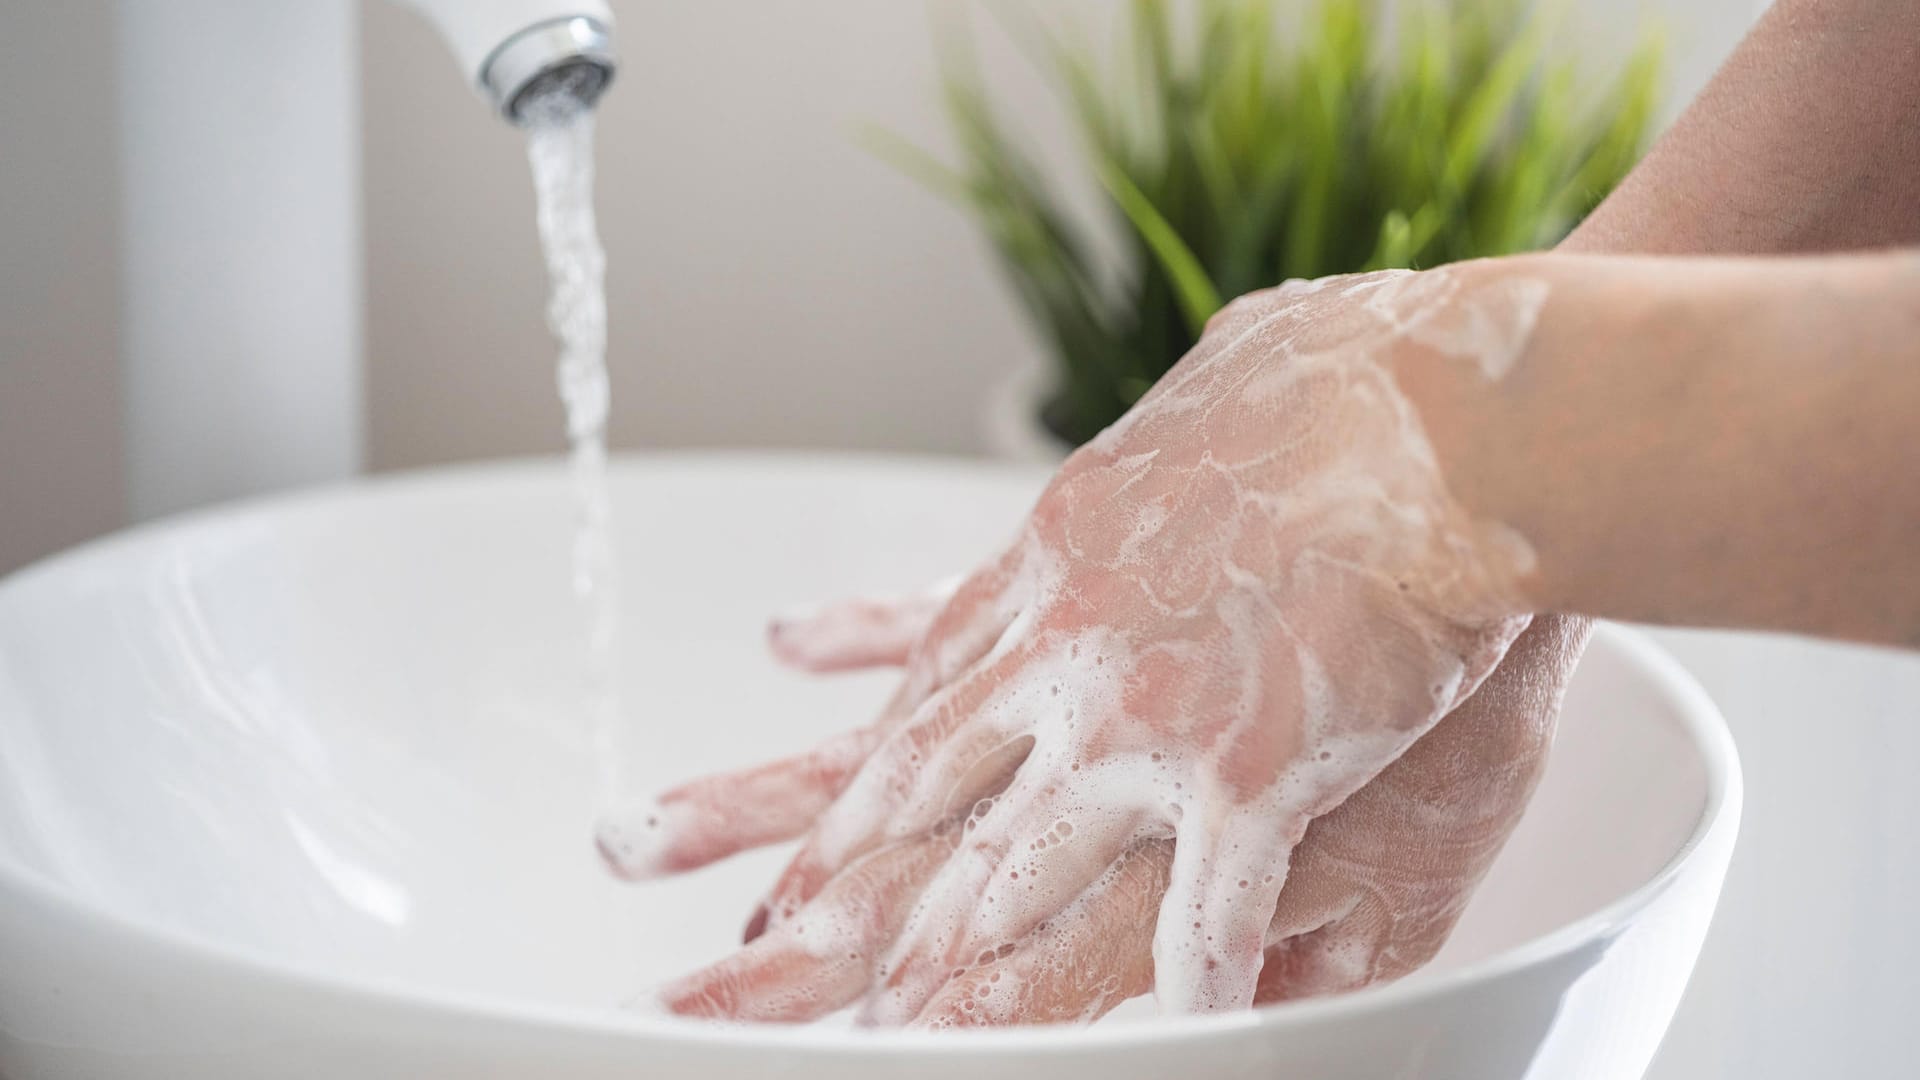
1493, 448
1688, 440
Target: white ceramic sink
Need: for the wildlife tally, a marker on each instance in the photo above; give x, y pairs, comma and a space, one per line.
302, 788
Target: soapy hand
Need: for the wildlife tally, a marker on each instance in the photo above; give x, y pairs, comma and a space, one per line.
1224, 618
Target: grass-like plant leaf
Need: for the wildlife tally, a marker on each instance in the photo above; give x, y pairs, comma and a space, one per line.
1238, 149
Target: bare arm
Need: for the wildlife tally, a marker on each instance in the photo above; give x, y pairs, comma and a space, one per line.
1808, 139
1705, 441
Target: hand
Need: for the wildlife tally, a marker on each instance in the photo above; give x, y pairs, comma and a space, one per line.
1372, 892
1224, 617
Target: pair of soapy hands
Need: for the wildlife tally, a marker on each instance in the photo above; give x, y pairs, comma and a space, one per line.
1214, 725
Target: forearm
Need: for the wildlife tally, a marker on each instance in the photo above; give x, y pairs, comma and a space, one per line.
1808, 139
1722, 442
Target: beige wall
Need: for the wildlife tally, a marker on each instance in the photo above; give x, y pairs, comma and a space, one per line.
59, 280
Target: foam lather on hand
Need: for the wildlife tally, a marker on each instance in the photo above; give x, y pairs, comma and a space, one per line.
1224, 616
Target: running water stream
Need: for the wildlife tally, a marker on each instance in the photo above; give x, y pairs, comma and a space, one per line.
560, 148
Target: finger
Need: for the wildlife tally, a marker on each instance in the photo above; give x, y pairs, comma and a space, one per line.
1209, 941
823, 958
993, 762
712, 818
865, 632
950, 627
971, 624
1370, 944
926, 954
1064, 848
1031, 891
1076, 966
911, 762
962, 634
716, 816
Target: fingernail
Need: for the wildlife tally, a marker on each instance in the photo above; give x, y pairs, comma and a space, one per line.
781, 643
756, 925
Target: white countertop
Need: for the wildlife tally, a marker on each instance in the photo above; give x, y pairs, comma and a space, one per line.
1812, 968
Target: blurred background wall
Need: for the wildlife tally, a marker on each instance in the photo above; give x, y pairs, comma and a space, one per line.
770, 282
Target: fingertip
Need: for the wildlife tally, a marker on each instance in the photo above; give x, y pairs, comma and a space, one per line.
685, 997
649, 1002
865, 632
634, 841
782, 641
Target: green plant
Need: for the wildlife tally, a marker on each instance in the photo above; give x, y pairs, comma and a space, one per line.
1236, 155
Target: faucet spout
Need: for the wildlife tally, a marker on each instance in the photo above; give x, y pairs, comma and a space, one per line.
516, 52
570, 60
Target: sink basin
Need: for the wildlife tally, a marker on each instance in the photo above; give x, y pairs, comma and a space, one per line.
303, 788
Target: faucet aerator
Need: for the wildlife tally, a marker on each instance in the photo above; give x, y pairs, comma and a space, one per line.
550, 70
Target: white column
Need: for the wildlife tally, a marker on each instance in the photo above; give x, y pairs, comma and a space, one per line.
240, 193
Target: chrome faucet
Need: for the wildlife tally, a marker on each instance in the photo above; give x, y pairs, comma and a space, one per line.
518, 51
